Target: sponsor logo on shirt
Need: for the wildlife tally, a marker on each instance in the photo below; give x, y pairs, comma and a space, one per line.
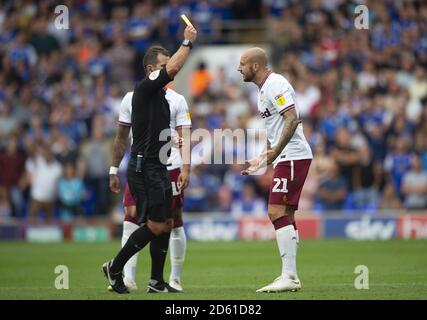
265, 114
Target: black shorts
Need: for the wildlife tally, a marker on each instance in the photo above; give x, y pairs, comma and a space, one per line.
151, 190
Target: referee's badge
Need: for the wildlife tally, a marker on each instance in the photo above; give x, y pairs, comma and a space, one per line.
154, 75
280, 100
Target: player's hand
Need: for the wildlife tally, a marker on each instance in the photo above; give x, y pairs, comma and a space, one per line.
255, 164
184, 179
177, 142
190, 33
114, 183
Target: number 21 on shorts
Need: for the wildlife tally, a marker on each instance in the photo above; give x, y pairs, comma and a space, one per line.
278, 182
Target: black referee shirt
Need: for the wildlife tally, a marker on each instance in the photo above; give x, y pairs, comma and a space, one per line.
150, 116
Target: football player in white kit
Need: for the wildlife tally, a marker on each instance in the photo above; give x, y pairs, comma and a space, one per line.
179, 174
290, 154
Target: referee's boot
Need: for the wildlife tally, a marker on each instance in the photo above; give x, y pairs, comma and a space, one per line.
115, 280
155, 286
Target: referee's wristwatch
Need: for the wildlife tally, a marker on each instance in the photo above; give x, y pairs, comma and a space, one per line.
187, 43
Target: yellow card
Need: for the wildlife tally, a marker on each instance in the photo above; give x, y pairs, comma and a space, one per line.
188, 22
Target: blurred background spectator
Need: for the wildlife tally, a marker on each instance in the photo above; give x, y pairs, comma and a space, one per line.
414, 186
43, 172
333, 191
12, 178
362, 96
70, 193
248, 203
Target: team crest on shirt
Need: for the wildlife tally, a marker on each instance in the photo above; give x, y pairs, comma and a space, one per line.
280, 100
154, 75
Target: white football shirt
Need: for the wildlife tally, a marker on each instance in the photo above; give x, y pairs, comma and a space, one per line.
275, 97
180, 118
44, 178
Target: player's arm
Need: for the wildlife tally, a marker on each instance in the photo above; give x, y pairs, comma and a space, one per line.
119, 149
289, 127
256, 163
177, 61
282, 97
159, 78
184, 133
183, 128
121, 140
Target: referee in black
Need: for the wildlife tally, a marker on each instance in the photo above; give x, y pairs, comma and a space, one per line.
147, 174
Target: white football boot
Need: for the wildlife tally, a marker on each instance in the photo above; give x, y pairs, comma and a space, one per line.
130, 284
176, 284
283, 283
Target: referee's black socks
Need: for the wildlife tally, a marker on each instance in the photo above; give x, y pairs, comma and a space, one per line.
137, 240
158, 250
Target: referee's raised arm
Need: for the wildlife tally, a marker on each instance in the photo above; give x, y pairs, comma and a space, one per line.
158, 78
178, 59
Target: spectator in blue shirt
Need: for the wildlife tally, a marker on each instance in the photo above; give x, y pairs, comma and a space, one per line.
70, 192
69, 125
331, 121
9, 31
172, 24
196, 193
386, 36
235, 180
397, 163
249, 203
117, 25
224, 9
332, 192
208, 23
98, 64
140, 27
20, 51
274, 8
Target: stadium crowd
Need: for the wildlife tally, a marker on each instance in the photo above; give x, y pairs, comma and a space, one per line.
362, 95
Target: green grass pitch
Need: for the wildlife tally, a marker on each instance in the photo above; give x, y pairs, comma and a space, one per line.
223, 270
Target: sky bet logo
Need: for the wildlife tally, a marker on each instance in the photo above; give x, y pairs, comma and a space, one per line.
265, 114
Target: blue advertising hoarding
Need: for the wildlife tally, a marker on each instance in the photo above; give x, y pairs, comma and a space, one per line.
360, 228
212, 229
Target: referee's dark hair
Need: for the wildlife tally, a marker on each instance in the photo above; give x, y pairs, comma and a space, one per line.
150, 56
